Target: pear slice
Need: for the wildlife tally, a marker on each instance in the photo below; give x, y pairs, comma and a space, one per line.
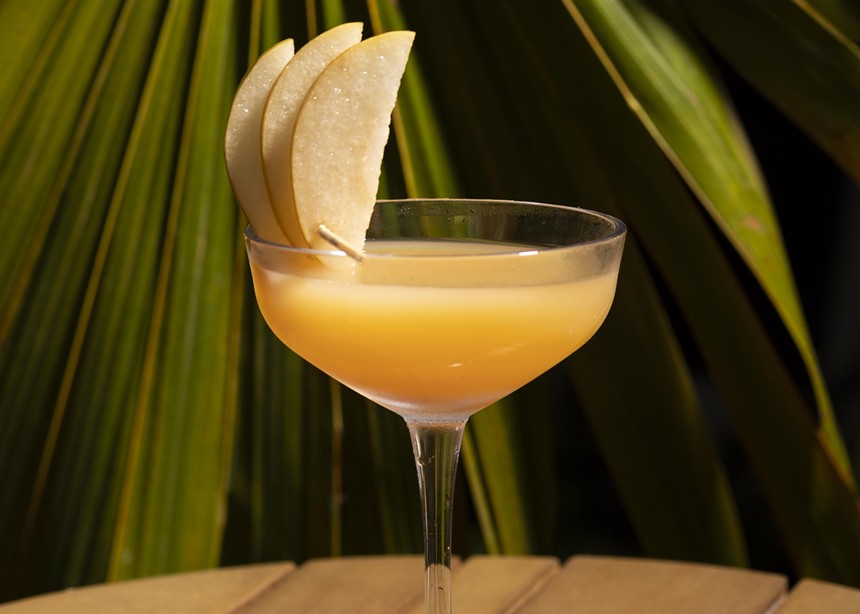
279, 119
340, 136
242, 140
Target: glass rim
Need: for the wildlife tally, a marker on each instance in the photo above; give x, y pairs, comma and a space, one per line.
619, 229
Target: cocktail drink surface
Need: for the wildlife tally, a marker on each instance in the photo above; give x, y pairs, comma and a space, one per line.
456, 304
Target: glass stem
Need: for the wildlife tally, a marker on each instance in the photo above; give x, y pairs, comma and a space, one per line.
437, 449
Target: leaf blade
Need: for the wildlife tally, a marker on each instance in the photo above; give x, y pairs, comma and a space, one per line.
659, 67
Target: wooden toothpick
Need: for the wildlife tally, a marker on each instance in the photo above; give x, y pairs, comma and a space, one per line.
340, 243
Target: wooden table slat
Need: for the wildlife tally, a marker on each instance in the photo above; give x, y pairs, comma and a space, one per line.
609, 585
497, 583
352, 584
816, 597
199, 591
482, 585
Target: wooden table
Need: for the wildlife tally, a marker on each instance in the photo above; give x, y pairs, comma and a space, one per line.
582, 585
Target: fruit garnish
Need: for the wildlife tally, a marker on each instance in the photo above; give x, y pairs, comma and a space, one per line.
242, 140
340, 135
306, 136
279, 120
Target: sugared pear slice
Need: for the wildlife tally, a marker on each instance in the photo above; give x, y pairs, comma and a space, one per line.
242, 140
279, 119
340, 137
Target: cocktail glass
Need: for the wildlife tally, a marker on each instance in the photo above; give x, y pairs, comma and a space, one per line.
456, 304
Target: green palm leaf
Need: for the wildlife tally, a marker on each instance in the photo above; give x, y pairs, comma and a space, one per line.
510, 471
191, 342
58, 294
29, 34
652, 431
842, 15
663, 73
37, 132
808, 67
757, 386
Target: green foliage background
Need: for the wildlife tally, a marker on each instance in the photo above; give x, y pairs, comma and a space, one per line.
150, 423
